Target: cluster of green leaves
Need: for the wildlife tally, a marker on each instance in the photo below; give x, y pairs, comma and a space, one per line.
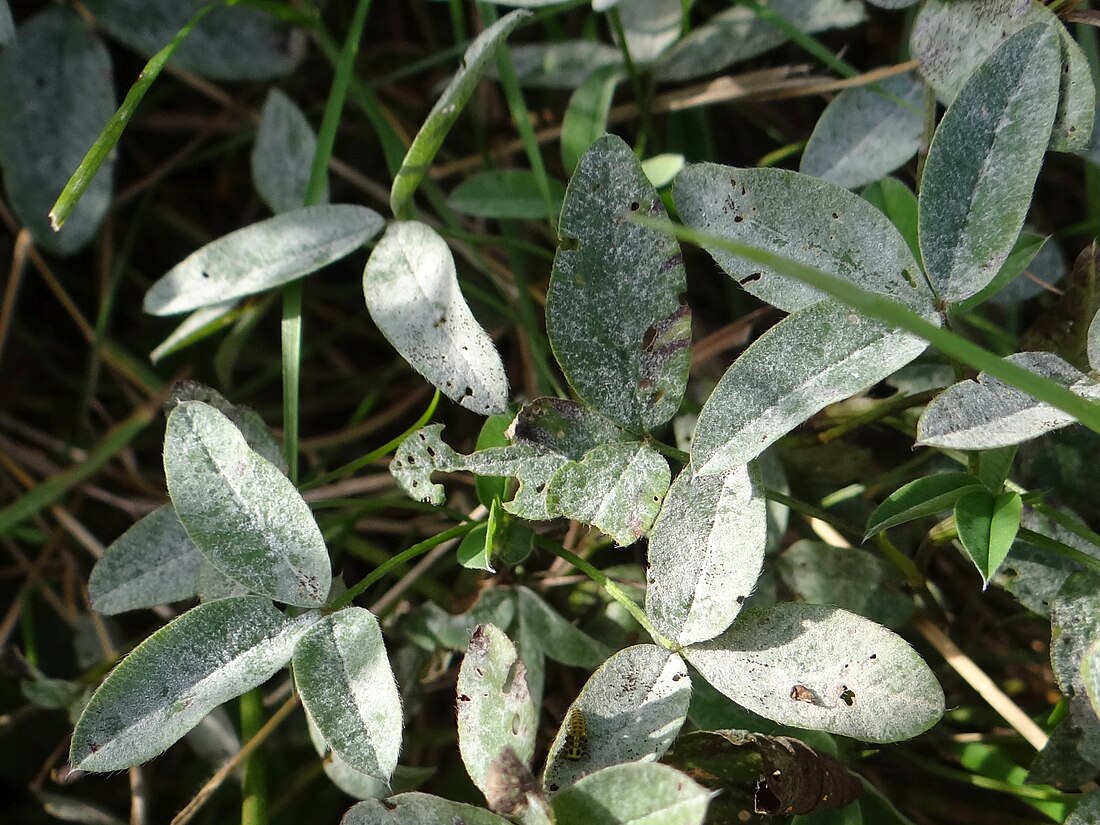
866, 282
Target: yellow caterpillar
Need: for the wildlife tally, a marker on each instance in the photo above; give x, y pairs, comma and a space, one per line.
576, 736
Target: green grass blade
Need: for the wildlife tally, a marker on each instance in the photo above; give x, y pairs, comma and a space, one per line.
105, 143
882, 309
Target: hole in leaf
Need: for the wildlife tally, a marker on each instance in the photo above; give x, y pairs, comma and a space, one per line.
836, 217
634, 206
756, 276
738, 218
205, 274
462, 697
848, 696
568, 243
388, 805
469, 392
648, 338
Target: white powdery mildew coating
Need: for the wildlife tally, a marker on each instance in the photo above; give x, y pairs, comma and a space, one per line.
612, 797
811, 359
154, 562
952, 39
283, 154
243, 514
179, 674
866, 133
53, 109
264, 255
983, 162
634, 705
495, 709
561, 65
822, 668
615, 487
987, 413
419, 809
705, 553
411, 287
232, 43
803, 218
343, 674
613, 311
739, 34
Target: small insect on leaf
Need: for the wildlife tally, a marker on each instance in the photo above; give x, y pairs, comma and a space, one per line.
576, 736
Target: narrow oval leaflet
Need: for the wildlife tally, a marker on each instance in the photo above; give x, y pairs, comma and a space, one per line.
174, 678
267, 254
495, 708
635, 793
615, 315
983, 162
154, 562
815, 357
343, 675
630, 710
283, 154
706, 552
51, 110
822, 668
411, 287
243, 514
812, 221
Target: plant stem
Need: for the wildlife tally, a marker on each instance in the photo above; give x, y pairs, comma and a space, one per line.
401, 558
254, 779
610, 587
291, 328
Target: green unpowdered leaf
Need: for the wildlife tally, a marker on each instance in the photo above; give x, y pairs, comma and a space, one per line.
987, 526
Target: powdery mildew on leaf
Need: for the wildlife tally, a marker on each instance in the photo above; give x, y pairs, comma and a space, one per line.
986, 413
267, 254
613, 308
255, 431
866, 133
343, 675
822, 668
738, 34
952, 39
651, 26
447, 109
425, 452
231, 43
55, 97
179, 674
244, 515
495, 710
983, 162
633, 707
154, 562
419, 809
803, 218
819, 355
411, 287
646, 793
565, 427
705, 553
282, 154
1087, 811
615, 487
1072, 756
354, 783
561, 65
